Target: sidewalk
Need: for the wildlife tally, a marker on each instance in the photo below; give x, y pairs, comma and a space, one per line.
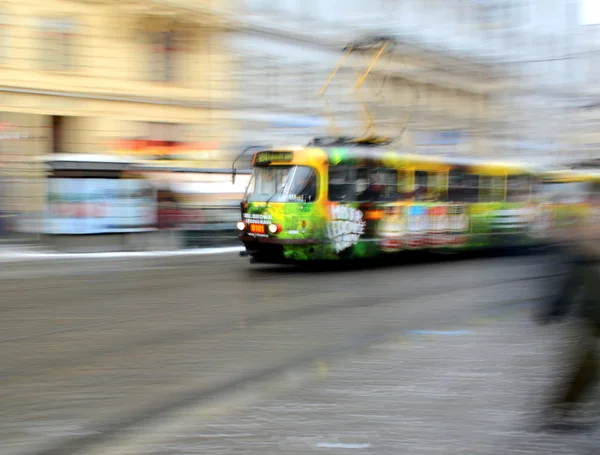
152, 244
24, 262
37, 253
464, 391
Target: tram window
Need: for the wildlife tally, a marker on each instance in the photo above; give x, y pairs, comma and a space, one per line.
269, 180
383, 184
421, 179
404, 189
341, 185
518, 188
437, 187
463, 187
491, 188
282, 184
303, 186
429, 187
421, 187
348, 184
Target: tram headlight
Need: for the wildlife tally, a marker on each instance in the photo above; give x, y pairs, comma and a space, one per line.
241, 225
274, 228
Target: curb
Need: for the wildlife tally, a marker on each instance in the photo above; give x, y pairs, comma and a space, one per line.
22, 256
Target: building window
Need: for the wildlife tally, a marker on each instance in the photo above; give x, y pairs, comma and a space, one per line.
164, 50
3, 37
272, 81
56, 44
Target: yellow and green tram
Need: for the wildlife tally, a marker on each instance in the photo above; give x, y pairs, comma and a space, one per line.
355, 201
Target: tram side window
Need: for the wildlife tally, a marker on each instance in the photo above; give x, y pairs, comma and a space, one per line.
439, 190
491, 188
518, 188
404, 184
348, 184
463, 187
383, 184
429, 187
421, 187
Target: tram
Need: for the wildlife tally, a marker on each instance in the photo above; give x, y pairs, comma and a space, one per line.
353, 201
343, 198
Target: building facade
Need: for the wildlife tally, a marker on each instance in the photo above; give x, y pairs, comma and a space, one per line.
440, 99
80, 76
201, 79
504, 71
584, 115
540, 40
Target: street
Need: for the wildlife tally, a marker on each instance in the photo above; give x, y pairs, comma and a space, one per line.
213, 355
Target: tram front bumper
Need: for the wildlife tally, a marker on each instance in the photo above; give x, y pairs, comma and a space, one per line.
271, 250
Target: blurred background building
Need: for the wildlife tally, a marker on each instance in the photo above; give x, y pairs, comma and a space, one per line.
198, 80
133, 78
585, 114
286, 51
494, 76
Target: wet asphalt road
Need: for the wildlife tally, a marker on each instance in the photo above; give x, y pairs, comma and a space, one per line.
90, 353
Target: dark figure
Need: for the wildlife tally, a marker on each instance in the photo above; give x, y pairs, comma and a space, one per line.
168, 213
579, 296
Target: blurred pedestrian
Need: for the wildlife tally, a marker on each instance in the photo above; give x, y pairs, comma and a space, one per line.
579, 295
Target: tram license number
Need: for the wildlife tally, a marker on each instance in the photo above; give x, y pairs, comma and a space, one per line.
257, 228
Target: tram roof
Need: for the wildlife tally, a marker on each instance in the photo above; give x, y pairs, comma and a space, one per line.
473, 163
356, 152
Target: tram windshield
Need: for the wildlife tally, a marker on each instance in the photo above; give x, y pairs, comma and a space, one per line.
282, 184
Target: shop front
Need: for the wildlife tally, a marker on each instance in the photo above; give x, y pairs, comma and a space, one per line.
22, 138
204, 153
201, 204
92, 204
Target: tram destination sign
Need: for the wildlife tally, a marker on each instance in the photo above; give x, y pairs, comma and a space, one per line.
268, 157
